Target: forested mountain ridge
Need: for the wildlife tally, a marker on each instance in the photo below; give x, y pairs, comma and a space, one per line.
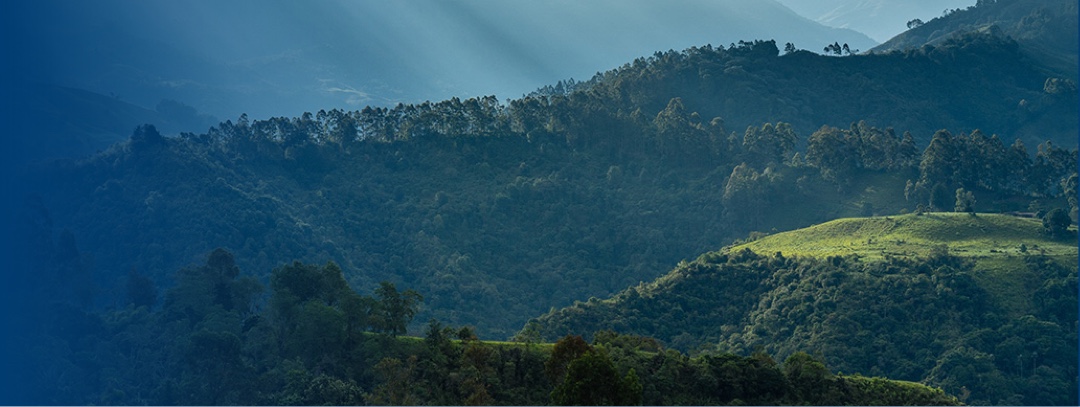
949, 299
1046, 28
500, 211
496, 211
976, 81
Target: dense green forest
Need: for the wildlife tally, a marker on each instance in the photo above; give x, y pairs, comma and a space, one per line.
515, 220
500, 211
315, 341
982, 305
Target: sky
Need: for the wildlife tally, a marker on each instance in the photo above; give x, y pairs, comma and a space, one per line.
879, 19
281, 58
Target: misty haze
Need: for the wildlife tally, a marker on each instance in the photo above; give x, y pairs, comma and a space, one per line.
698, 202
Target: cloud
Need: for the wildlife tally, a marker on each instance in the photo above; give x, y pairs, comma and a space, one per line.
353, 97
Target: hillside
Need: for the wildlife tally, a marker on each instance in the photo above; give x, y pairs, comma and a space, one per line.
985, 237
958, 85
1047, 29
500, 211
75, 123
950, 296
314, 341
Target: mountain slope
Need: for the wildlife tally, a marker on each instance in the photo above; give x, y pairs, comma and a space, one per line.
1047, 29
880, 19
920, 91
930, 318
74, 123
500, 211
272, 58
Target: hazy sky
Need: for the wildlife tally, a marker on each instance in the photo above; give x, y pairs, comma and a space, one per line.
880, 19
277, 57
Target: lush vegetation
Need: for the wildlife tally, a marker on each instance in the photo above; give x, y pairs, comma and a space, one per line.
494, 212
982, 305
982, 237
314, 341
501, 211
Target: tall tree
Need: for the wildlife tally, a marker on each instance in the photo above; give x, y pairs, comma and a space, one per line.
592, 380
965, 201
396, 309
1056, 222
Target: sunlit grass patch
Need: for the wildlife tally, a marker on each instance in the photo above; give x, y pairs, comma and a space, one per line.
961, 234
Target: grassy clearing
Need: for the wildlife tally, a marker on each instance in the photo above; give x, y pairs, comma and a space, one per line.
984, 236
997, 243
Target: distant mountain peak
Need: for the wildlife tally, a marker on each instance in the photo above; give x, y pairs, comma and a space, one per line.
1046, 29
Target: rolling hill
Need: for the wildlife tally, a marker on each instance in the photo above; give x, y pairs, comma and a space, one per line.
983, 237
925, 298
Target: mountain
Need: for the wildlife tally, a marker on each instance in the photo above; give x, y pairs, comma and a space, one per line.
1046, 29
953, 300
880, 19
78, 123
493, 211
281, 58
918, 90
499, 211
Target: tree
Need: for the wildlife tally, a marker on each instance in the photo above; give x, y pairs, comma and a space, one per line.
310, 282
212, 288
941, 161
1056, 222
592, 380
396, 309
914, 23
834, 153
744, 192
1069, 188
939, 197
566, 349
789, 48
834, 49
146, 135
397, 387
965, 201
806, 375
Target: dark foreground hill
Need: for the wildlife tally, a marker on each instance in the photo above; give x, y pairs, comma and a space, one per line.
983, 306
314, 341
